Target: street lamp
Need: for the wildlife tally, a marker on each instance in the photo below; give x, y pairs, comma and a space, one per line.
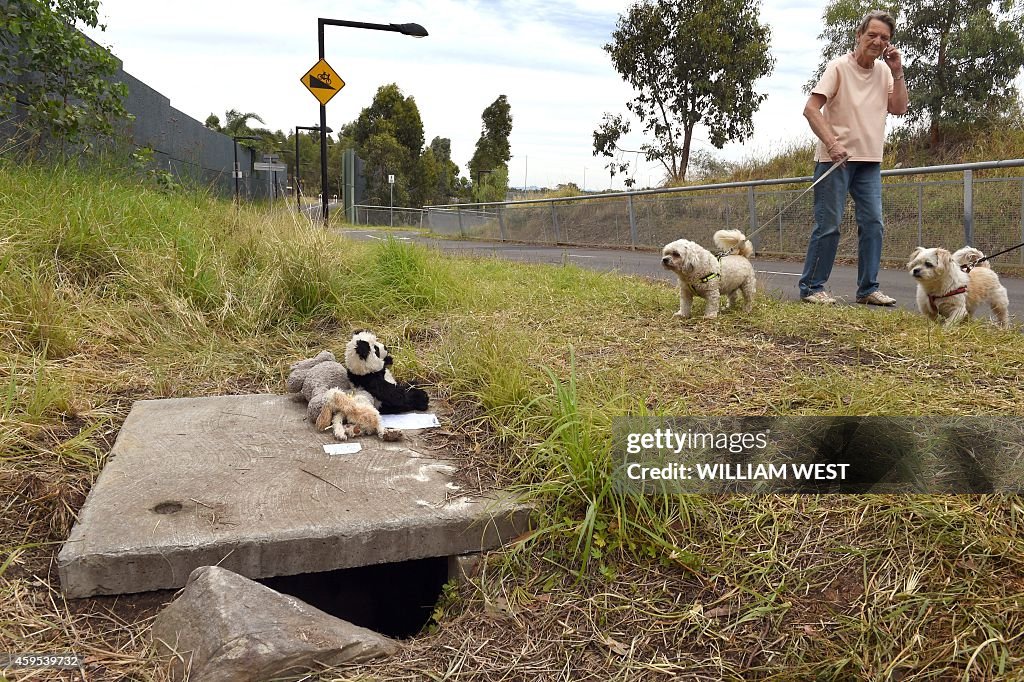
238, 171
297, 129
414, 30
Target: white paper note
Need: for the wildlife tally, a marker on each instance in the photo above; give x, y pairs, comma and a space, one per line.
342, 448
409, 420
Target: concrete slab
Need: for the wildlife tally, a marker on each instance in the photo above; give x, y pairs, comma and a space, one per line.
243, 482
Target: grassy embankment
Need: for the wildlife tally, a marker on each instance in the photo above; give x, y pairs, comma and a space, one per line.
112, 292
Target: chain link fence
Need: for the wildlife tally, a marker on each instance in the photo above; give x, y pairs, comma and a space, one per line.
951, 210
387, 216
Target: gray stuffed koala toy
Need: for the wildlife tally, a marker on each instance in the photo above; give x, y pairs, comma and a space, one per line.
312, 379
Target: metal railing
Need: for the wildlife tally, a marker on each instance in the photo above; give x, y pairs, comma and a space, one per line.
389, 216
987, 213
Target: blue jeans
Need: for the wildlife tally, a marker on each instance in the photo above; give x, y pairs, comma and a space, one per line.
863, 181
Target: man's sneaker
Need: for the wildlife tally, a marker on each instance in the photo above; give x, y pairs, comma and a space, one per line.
876, 297
820, 298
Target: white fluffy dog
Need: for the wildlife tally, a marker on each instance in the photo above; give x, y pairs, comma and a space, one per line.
945, 290
703, 274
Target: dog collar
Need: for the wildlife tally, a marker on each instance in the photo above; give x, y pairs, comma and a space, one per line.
708, 277
955, 292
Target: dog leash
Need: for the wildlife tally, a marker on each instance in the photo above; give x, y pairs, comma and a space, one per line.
982, 260
785, 208
967, 267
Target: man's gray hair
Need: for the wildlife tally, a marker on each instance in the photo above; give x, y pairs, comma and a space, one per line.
879, 15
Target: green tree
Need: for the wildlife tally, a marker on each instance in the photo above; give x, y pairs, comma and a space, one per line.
493, 150
389, 138
690, 63
236, 124
393, 113
426, 179
63, 79
384, 156
961, 56
492, 187
449, 184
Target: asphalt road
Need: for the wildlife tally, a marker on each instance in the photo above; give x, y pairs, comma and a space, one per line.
778, 278
312, 211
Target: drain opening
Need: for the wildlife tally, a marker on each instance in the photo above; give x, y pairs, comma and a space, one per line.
395, 599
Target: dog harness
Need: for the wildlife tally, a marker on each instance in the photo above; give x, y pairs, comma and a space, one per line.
955, 292
703, 280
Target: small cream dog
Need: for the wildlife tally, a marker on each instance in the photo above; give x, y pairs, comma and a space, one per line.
703, 274
945, 290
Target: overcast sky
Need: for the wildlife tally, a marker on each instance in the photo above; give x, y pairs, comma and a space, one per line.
213, 55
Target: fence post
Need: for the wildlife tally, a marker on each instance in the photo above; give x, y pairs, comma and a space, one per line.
752, 208
920, 216
458, 212
633, 234
501, 223
1022, 218
969, 207
554, 222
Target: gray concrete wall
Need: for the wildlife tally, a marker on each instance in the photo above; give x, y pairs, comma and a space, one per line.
181, 144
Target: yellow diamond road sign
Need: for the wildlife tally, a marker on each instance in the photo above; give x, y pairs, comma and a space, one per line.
323, 82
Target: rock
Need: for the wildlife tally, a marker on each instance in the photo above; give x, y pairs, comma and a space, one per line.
223, 627
464, 567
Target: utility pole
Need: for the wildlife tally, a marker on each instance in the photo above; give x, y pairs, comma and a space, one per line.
391, 181
414, 30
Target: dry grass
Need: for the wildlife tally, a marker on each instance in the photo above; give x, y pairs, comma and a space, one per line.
177, 296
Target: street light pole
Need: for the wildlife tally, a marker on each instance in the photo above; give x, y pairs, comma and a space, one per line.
414, 30
297, 129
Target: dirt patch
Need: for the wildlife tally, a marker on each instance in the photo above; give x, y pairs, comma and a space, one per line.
823, 348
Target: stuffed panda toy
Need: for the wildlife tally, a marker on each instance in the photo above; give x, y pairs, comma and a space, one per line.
368, 361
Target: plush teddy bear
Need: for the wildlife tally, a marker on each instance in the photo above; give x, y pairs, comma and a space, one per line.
368, 362
351, 413
332, 400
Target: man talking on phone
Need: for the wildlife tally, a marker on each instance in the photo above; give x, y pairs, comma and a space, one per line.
847, 111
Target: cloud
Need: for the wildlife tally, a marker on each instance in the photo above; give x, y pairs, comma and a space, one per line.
547, 57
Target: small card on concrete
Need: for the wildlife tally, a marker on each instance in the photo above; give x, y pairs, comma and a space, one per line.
342, 448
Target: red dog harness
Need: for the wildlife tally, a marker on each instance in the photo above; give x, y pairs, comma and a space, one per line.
955, 292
